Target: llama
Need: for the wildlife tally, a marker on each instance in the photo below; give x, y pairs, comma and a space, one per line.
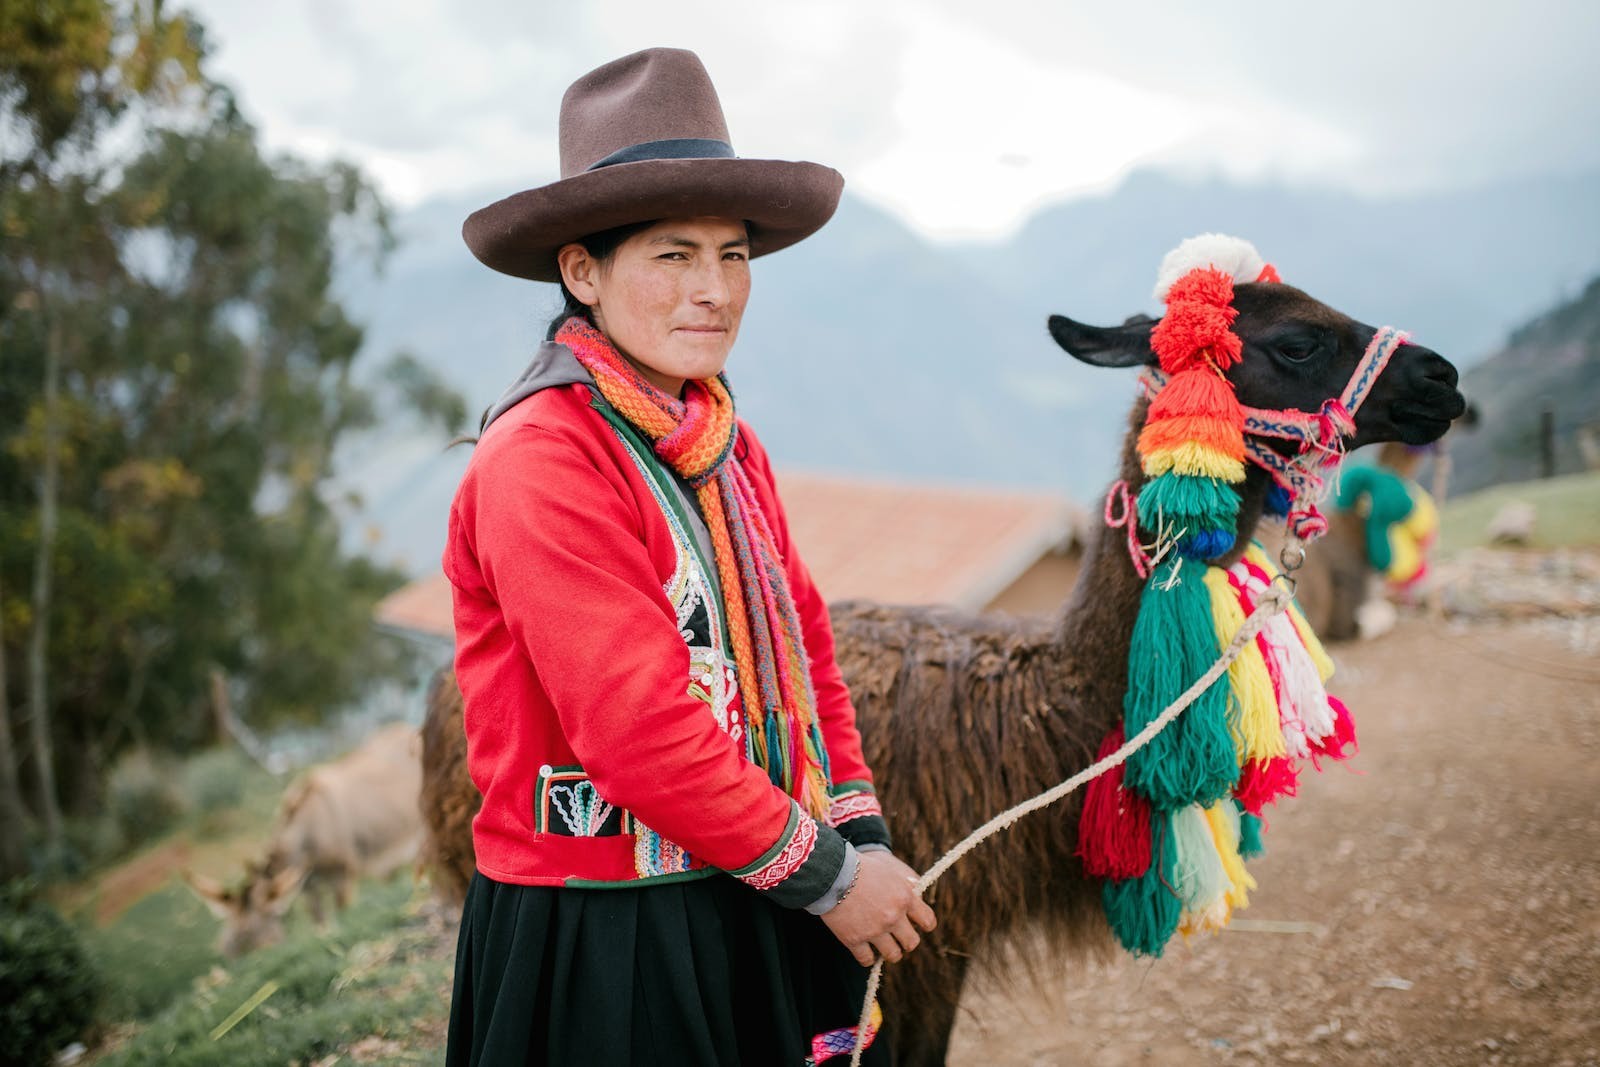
965, 715
350, 818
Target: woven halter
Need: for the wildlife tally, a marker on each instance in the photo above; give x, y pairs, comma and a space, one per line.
1321, 435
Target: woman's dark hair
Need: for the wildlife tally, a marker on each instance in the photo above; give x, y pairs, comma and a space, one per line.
601, 246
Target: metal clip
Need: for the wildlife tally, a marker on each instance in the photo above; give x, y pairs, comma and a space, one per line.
1288, 580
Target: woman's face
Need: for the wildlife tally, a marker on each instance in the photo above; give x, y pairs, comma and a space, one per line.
670, 298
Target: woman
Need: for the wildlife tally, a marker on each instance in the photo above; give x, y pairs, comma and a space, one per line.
680, 856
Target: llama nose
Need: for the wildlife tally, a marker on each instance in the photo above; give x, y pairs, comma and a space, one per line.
1434, 367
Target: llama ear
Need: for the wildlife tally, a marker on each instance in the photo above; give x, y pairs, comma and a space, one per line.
1127, 345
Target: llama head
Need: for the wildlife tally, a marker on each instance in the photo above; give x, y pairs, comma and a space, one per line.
1297, 352
251, 912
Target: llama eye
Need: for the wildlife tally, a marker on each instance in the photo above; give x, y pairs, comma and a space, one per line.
1297, 351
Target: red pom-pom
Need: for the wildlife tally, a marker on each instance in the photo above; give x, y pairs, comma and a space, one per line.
1205, 285
1198, 326
1341, 744
1190, 332
1261, 782
1114, 829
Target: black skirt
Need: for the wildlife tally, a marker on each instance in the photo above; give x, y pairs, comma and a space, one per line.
698, 972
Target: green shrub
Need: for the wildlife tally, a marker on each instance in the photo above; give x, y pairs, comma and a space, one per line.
143, 797
90, 841
48, 989
214, 780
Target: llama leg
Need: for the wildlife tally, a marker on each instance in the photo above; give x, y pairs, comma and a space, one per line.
314, 895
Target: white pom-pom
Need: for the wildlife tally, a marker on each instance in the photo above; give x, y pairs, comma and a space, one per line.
1231, 255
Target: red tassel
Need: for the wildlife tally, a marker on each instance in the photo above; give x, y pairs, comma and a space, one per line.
1198, 394
1261, 782
1197, 330
1114, 830
1341, 744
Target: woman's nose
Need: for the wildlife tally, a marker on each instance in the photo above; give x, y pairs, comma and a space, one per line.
708, 287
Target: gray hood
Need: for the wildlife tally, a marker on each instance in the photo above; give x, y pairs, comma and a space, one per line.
555, 365
552, 365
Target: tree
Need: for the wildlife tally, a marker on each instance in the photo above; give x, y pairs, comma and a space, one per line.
177, 376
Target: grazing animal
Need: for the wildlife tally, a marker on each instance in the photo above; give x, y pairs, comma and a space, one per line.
354, 817
964, 715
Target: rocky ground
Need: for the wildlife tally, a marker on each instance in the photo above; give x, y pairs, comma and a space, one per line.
1435, 901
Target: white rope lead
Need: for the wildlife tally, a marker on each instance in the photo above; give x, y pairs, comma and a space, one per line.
1274, 600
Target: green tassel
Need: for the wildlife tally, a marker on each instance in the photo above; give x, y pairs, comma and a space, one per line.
1198, 875
1144, 911
1249, 835
1188, 501
1192, 761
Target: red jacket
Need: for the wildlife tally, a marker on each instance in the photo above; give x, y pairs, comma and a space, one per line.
588, 727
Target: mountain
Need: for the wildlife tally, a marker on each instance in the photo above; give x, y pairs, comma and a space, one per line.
1459, 270
867, 349
1549, 368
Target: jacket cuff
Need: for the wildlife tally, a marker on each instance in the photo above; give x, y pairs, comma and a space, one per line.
841, 884
854, 811
801, 866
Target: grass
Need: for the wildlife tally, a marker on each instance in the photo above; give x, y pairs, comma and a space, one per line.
372, 989
378, 975
1568, 510
153, 953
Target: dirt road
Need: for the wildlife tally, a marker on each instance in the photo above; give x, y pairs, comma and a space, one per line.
1436, 902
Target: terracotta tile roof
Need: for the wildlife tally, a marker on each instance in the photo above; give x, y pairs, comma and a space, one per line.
421, 607
919, 544
890, 542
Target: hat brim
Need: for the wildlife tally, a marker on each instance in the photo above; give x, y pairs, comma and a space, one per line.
782, 202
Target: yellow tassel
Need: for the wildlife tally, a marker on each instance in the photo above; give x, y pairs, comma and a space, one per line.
1207, 921
1253, 711
1194, 459
1224, 820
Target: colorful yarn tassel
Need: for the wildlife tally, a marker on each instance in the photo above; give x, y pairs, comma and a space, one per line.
1341, 744
1114, 829
1226, 831
1250, 843
1261, 782
1253, 713
1144, 911
1200, 878
1170, 830
1192, 761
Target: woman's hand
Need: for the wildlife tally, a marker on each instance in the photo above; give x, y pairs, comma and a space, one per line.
881, 911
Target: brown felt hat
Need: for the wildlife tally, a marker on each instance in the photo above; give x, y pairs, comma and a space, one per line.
643, 138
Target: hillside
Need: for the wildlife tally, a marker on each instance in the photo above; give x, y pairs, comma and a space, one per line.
869, 350
1550, 365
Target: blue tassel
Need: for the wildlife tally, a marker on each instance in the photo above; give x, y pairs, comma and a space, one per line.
1277, 501
1207, 544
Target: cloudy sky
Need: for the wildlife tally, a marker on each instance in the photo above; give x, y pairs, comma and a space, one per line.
961, 116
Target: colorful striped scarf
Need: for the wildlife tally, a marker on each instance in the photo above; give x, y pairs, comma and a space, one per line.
695, 437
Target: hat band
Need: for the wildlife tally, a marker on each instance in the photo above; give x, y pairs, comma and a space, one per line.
673, 148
